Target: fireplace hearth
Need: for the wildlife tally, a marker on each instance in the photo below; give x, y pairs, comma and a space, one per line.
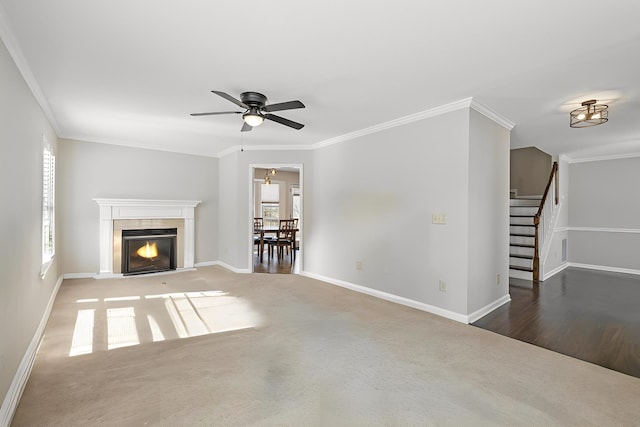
149, 250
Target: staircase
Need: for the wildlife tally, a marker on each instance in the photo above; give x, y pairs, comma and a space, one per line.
531, 225
522, 237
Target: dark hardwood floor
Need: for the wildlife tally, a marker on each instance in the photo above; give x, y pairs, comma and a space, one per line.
586, 314
274, 265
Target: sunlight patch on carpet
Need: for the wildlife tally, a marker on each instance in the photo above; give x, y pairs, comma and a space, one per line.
122, 321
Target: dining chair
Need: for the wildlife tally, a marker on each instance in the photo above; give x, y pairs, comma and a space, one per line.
258, 224
285, 238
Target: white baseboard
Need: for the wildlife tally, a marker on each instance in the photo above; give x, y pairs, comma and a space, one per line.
21, 377
79, 275
206, 264
605, 268
391, 297
225, 265
555, 271
480, 313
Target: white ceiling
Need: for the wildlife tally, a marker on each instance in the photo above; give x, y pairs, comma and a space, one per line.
129, 72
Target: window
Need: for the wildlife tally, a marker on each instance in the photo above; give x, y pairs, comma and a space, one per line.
48, 210
295, 202
270, 204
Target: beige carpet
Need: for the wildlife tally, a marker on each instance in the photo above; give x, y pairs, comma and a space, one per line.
210, 347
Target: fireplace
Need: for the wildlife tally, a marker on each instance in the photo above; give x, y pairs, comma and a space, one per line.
117, 215
148, 250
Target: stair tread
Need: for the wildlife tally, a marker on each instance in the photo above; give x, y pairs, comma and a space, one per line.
517, 267
522, 235
521, 256
520, 245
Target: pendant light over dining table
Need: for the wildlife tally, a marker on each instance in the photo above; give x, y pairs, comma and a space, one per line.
270, 173
590, 114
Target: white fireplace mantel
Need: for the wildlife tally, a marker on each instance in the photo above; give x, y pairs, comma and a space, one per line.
116, 209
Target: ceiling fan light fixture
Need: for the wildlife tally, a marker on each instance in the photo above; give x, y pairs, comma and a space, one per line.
253, 117
256, 110
589, 114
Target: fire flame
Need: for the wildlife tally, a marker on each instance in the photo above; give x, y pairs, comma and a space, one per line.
148, 250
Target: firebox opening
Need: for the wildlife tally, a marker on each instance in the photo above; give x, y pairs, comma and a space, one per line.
148, 250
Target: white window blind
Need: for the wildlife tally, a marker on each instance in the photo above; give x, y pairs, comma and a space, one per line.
270, 198
270, 193
48, 207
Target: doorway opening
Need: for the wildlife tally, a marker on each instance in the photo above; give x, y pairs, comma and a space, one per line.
276, 218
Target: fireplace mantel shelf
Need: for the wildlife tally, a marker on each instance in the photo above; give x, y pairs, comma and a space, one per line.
117, 209
145, 202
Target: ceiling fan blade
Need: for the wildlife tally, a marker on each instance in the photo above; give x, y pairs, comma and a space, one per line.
246, 128
231, 98
284, 121
216, 113
291, 105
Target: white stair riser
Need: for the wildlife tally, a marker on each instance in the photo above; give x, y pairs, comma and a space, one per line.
516, 250
521, 262
514, 229
523, 210
518, 220
524, 202
519, 274
521, 240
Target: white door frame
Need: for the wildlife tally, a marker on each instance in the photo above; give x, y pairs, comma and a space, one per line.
252, 168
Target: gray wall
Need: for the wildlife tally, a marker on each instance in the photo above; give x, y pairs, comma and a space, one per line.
236, 200
89, 170
605, 206
23, 294
530, 169
488, 212
374, 197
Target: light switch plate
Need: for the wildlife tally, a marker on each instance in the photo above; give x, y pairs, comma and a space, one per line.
439, 218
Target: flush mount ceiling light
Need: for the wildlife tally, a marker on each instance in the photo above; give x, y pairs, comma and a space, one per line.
589, 114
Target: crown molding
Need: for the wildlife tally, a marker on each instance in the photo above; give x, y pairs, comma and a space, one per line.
131, 144
6, 34
433, 112
489, 113
443, 109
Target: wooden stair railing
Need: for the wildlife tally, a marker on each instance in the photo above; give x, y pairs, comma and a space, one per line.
553, 177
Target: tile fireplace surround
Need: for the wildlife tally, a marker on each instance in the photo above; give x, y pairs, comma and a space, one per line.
137, 213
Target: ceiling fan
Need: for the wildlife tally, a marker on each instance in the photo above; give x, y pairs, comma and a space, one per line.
256, 110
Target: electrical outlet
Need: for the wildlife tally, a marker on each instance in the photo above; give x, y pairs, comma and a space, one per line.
498, 279
358, 265
443, 285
